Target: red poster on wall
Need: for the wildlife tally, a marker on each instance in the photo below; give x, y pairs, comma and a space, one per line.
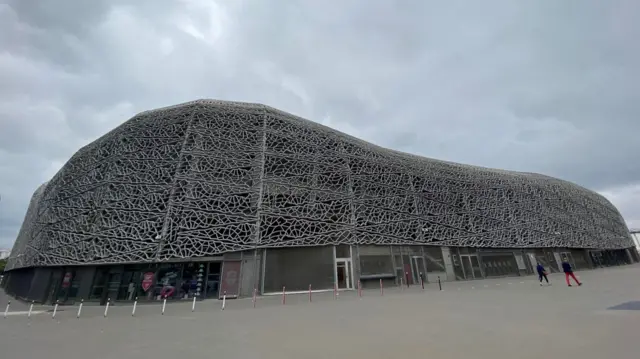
66, 281
230, 279
407, 274
147, 280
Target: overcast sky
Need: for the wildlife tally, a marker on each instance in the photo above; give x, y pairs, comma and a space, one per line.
539, 86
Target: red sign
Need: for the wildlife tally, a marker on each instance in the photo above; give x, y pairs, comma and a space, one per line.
230, 279
407, 273
66, 281
147, 280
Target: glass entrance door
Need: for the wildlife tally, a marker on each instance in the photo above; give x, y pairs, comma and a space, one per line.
475, 265
343, 274
471, 266
418, 269
466, 265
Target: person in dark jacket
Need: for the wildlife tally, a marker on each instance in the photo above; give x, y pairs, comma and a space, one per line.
542, 273
568, 272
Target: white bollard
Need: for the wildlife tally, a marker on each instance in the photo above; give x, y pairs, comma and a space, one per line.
135, 304
193, 306
55, 310
106, 307
80, 308
224, 299
255, 295
30, 310
6, 311
164, 304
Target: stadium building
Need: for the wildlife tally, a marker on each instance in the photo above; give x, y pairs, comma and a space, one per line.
209, 197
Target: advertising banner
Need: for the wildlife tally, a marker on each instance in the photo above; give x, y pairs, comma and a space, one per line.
147, 281
230, 279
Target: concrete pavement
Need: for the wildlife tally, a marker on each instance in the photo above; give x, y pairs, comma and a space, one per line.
509, 317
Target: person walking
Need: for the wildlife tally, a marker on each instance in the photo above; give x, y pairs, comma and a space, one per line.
568, 272
542, 273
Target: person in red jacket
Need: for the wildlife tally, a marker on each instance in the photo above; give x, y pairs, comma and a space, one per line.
568, 272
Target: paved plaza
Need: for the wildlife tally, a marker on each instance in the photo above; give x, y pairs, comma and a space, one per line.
498, 318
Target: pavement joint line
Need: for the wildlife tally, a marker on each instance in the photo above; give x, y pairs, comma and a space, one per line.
26, 312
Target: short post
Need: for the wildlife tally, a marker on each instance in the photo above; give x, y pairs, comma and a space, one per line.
439, 283
381, 288
164, 304
360, 289
335, 291
80, 308
422, 282
55, 309
30, 310
284, 295
193, 305
310, 293
224, 299
106, 307
135, 304
255, 296
6, 310
401, 284
407, 275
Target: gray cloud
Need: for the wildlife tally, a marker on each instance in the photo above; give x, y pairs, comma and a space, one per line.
546, 87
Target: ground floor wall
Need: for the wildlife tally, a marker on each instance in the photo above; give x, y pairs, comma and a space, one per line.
265, 271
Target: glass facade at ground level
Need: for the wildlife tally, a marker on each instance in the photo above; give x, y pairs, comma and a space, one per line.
267, 271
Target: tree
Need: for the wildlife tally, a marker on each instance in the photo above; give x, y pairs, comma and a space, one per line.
3, 263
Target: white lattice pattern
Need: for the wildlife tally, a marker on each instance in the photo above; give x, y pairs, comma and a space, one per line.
209, 177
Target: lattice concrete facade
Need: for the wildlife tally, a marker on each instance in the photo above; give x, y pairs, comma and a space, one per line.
210, 177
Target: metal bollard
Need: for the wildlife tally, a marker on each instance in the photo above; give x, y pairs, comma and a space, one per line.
135, 304
30, 310
439, 283
255, 296
284, 296
164, 304
80, 308
360, 289
55, 309
310, 293
6, 311
381, 288
193, 306
106, 307
224, 299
